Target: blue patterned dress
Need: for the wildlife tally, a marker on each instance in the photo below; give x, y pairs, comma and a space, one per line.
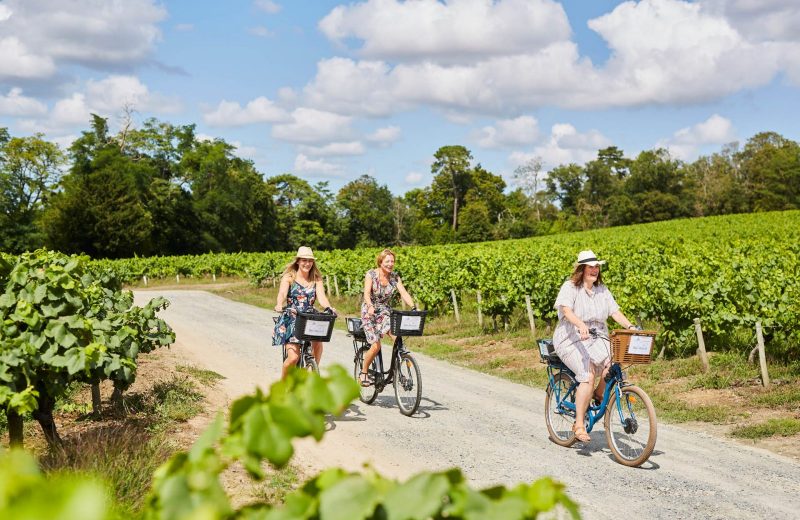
378, 325
300, 299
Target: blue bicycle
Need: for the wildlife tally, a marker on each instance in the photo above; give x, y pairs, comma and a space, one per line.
630, 423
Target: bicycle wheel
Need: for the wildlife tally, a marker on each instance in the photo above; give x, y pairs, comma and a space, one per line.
407, 384
368, 393
559, 420
631, 426
311, 365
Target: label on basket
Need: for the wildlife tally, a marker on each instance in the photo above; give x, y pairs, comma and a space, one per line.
640, 345
410, 322
317, 327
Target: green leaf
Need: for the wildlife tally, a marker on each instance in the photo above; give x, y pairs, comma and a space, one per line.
421, 497
352, 498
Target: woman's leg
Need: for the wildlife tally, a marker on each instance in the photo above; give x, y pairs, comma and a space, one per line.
316, 348
582, 395
292, 355
370, 355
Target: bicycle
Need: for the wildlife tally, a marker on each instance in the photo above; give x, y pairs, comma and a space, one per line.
630, 423
403, 371
309, 326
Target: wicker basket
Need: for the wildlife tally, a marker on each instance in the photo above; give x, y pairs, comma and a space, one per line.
407, 323
632, 347
314, 326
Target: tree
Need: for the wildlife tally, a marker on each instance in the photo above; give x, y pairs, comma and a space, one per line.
770, 166
474, 224
366, 210
528, 177
451, 174
296, 200
29, 171
565, 185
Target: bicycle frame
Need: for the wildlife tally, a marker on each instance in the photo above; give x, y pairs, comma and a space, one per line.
383, 378
594, 413
306, 354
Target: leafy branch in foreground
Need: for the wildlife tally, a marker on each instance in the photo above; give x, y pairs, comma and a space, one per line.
261, 427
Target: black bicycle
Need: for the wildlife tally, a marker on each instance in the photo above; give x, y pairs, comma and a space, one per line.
403, 370
309, 326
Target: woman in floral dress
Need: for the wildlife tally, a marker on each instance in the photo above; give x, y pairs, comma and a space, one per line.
301, 286
379, 286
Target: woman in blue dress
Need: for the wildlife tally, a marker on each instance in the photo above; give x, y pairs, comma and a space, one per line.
301, 286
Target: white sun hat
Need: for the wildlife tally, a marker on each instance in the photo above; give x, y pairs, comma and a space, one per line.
305, 252
589, 258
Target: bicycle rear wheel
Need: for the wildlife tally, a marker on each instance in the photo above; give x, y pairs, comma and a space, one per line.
407, 384
368, 393
559, 419
311, 365
631, 426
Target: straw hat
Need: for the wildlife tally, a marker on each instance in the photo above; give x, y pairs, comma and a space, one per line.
305, 252
589, 258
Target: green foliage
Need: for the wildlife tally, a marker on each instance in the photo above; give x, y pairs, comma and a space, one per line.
782, 427
61, 323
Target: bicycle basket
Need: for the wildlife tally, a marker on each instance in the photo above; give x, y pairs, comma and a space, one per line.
355, 327
632, 347
407, 323
314, 326
547, 351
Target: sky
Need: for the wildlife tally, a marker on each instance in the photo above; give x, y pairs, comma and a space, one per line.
331, 91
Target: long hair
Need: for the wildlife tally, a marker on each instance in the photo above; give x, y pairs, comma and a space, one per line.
382, 255
577, 275
291, 270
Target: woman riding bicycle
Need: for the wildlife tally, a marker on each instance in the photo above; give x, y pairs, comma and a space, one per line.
301, 286
379, 286
583, 303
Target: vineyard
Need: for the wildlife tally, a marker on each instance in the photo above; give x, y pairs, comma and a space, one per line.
730, 271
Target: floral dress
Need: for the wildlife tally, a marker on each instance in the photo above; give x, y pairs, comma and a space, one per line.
300, 299
378, 324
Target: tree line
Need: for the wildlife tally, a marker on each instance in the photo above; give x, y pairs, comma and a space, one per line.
159, 190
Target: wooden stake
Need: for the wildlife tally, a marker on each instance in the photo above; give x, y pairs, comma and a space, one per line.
348, 284
144, 278
455, 305
214, 276
505, 317
327, 284
480, 312
273, 280
96, 398
336, 284
762, 356
701, 345
177, 278
530, 314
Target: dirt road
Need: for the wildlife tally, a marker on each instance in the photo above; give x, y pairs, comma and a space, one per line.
493, 429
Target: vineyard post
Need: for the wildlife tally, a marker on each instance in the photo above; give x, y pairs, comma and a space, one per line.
96, 398
144, 279
177, 278
530, 314
480, 313
701, 345
336, 284
273, 280
762, 356
327, 284
455, 305
505, 316
214, 277
348, 284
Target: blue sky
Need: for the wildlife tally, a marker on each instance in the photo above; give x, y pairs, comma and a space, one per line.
331, 91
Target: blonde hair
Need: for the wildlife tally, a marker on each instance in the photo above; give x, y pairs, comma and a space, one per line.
382, 255
291, 268
577, 275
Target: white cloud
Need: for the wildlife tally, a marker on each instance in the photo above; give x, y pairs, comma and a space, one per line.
302, 164
17, 61
520, 131
96, 33
565, 145
5, 13
686, 142
260, 31
759, 20
357, 88
451, 31
334, 149
314, 127
414, 178
268, 6
15, 105
259, 110
384, 136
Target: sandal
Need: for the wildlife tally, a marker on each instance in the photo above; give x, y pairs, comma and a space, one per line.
365, 379
580, 433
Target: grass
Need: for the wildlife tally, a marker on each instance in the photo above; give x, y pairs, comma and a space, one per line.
203, 376
278, 483
772, 427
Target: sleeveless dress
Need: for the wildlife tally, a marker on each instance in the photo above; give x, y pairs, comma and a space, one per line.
300, 299
378, 324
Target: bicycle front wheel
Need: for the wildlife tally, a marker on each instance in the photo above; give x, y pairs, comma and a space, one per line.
368, 393
407, 384
630, 424
558, 418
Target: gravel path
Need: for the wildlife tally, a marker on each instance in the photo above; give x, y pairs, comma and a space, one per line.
493, 429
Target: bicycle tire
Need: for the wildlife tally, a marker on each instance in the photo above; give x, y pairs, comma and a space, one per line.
367, 394
407, 384
311, 366
632, 443
559, 426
